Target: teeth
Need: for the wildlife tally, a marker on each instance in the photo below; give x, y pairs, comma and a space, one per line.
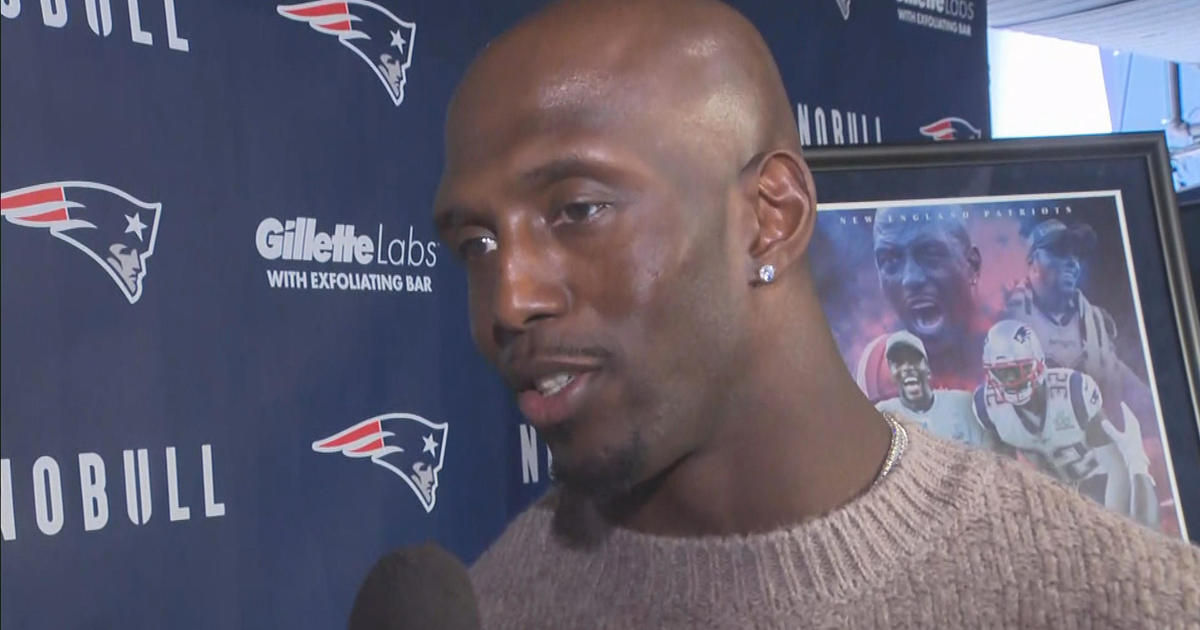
551, 385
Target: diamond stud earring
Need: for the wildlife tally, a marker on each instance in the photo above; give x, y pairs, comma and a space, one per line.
766, 273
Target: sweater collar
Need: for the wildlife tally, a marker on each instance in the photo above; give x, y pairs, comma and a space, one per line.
856, 545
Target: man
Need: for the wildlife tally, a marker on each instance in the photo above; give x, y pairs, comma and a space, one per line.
1076, 334
928, 269
946, 413
633, 215
1055, 418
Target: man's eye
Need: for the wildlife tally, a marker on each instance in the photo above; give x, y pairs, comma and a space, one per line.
580, 211
886, 260
474, 248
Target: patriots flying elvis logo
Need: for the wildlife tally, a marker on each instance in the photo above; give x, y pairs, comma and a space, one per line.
951, 128
109, 225
404, 443
376, 35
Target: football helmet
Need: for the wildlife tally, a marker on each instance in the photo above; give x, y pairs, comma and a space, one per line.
1013, 361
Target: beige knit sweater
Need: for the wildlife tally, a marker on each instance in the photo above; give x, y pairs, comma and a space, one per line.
951, 539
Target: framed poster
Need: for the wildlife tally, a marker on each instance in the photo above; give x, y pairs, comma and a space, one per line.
1027, 296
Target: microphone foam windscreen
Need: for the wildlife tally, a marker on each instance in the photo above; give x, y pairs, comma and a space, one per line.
423, 586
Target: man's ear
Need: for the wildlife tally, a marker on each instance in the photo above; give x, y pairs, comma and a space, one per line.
785, 209
975, 260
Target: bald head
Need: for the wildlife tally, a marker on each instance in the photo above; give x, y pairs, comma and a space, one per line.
695, 71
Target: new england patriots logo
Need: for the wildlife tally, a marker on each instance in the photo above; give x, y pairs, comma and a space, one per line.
380, 38
1022, 335
951, 128
109, 225
404, 443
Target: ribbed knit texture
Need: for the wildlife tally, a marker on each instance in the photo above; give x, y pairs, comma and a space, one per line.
951, 539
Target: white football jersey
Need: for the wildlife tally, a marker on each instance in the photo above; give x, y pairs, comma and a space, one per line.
1058, 441
950, 416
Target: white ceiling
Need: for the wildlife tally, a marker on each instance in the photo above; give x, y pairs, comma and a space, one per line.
1167, 29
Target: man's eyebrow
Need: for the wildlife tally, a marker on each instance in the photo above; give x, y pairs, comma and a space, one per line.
570, 166
557, 169
448, 217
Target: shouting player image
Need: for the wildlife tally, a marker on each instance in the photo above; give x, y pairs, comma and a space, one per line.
943, 412
1055, 418
928, 272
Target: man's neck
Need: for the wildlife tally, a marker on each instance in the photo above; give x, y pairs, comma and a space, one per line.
796, 439
1035, 411
956, 349
1057, 305
920, 405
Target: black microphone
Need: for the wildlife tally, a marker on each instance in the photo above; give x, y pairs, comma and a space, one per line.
422, 586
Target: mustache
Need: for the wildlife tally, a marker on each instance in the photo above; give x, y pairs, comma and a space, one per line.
557, 347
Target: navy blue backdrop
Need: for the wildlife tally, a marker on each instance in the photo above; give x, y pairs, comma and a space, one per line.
235, 361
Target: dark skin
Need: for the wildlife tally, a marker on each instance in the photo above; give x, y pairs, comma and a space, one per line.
613, 204
926, 264
1054, 273
907, 362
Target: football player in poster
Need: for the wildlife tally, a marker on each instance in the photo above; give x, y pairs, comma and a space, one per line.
928, 271
1076, 333
946, 413
1055, 418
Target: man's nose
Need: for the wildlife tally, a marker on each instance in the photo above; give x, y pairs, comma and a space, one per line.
530, 286
911, 274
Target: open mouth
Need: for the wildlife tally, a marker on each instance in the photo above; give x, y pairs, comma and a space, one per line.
926, 316
553, 384
554, 398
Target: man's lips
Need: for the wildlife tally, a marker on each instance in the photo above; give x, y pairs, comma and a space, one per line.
921, 302
551, 386
556, 398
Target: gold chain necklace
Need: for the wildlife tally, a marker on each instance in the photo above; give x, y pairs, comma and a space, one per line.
895, 450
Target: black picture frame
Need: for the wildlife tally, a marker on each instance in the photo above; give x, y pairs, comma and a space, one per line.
1136, 164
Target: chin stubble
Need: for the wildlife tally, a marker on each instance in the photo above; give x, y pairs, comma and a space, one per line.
581, 519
